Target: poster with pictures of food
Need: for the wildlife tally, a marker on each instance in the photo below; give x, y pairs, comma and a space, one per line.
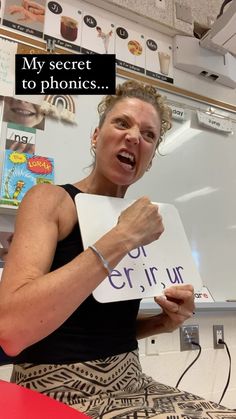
25, 16
63, 25
2, 4
159, 60
130, 50
98, 35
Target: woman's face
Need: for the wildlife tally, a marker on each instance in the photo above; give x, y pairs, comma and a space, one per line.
23, 113
126, 142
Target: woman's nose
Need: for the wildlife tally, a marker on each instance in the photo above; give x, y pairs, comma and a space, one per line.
133, 135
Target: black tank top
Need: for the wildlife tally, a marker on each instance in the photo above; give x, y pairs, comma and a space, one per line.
94, 330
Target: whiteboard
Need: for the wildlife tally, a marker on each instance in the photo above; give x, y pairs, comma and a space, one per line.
197, 176
147, 270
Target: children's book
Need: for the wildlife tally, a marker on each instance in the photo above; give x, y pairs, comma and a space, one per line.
21, 171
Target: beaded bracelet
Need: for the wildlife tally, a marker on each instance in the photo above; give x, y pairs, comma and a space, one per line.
103, 260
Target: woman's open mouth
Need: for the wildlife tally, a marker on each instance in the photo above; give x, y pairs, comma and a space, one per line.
127, 159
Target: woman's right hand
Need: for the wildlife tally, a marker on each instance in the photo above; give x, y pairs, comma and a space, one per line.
142, 222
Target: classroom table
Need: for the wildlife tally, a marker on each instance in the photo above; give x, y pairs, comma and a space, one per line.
17, 402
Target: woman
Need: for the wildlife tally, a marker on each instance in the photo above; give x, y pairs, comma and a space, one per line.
66, 344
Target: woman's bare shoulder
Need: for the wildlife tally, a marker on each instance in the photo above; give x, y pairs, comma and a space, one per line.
44, 197
47, 202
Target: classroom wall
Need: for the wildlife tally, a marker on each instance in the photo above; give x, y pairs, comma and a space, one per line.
208, 377
163, 12
164, 21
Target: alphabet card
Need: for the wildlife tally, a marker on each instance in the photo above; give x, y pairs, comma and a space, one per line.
20, 138
63, 25
159, 63
147, 270
97, 35
25, 16
130, 50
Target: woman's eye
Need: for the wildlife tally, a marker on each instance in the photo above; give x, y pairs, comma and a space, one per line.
122, 123
149, 135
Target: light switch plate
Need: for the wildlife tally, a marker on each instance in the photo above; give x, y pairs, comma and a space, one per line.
188, 334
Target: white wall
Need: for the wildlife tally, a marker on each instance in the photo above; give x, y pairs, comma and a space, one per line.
206, 378
150, 16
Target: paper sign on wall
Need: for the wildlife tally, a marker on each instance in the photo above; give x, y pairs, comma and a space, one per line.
145, 271
214, 122
204, 296
7, 66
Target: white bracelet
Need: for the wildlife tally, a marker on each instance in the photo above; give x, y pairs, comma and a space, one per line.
103, 260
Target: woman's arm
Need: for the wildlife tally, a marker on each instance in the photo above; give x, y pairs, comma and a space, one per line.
177, 306
33, 301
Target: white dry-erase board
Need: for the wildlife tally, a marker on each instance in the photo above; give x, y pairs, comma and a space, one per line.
196, 172
146, 270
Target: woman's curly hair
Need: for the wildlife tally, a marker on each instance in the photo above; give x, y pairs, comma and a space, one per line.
139, 90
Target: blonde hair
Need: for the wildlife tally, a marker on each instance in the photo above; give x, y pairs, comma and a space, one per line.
139, 90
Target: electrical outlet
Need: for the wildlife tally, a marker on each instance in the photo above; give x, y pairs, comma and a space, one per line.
187, 335
151, 345
218, 333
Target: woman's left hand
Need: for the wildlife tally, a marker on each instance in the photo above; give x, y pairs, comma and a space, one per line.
177, 305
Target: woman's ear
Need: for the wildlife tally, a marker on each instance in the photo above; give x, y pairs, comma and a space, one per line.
94, 138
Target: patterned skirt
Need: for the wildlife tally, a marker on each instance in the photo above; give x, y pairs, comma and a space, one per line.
115, 387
